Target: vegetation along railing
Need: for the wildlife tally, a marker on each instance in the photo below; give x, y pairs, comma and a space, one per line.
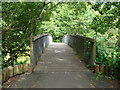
84, 46
38, 44
86, 49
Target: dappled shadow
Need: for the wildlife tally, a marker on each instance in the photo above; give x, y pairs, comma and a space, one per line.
59, 67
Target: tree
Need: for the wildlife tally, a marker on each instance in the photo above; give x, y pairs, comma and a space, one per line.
106, 25
20, 20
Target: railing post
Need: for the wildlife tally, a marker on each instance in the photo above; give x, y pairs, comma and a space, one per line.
31, 52
93, 57
83, 49
0, 50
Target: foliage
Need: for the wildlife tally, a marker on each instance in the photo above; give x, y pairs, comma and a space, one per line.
99, 75
106, 49
106, 25
19, 21
22, 60
107, 17
70, 18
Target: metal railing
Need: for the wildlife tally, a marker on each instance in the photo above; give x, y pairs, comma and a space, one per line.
84, 46
38, 44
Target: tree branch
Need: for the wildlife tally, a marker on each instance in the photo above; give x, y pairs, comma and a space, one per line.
14, 53
47, 10
54, 6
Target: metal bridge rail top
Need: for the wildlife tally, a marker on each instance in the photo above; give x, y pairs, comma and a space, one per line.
40, 36
83, 37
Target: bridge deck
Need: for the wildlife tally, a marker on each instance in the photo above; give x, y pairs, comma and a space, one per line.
59, 67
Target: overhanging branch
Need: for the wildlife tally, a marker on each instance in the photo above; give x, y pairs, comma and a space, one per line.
41, 14
54, 6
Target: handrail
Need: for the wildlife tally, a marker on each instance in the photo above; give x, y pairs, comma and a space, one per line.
83, 37
40, 36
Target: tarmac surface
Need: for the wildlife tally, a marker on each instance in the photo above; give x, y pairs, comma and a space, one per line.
59, 67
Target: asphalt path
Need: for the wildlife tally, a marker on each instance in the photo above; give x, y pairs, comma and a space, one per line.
60, 67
